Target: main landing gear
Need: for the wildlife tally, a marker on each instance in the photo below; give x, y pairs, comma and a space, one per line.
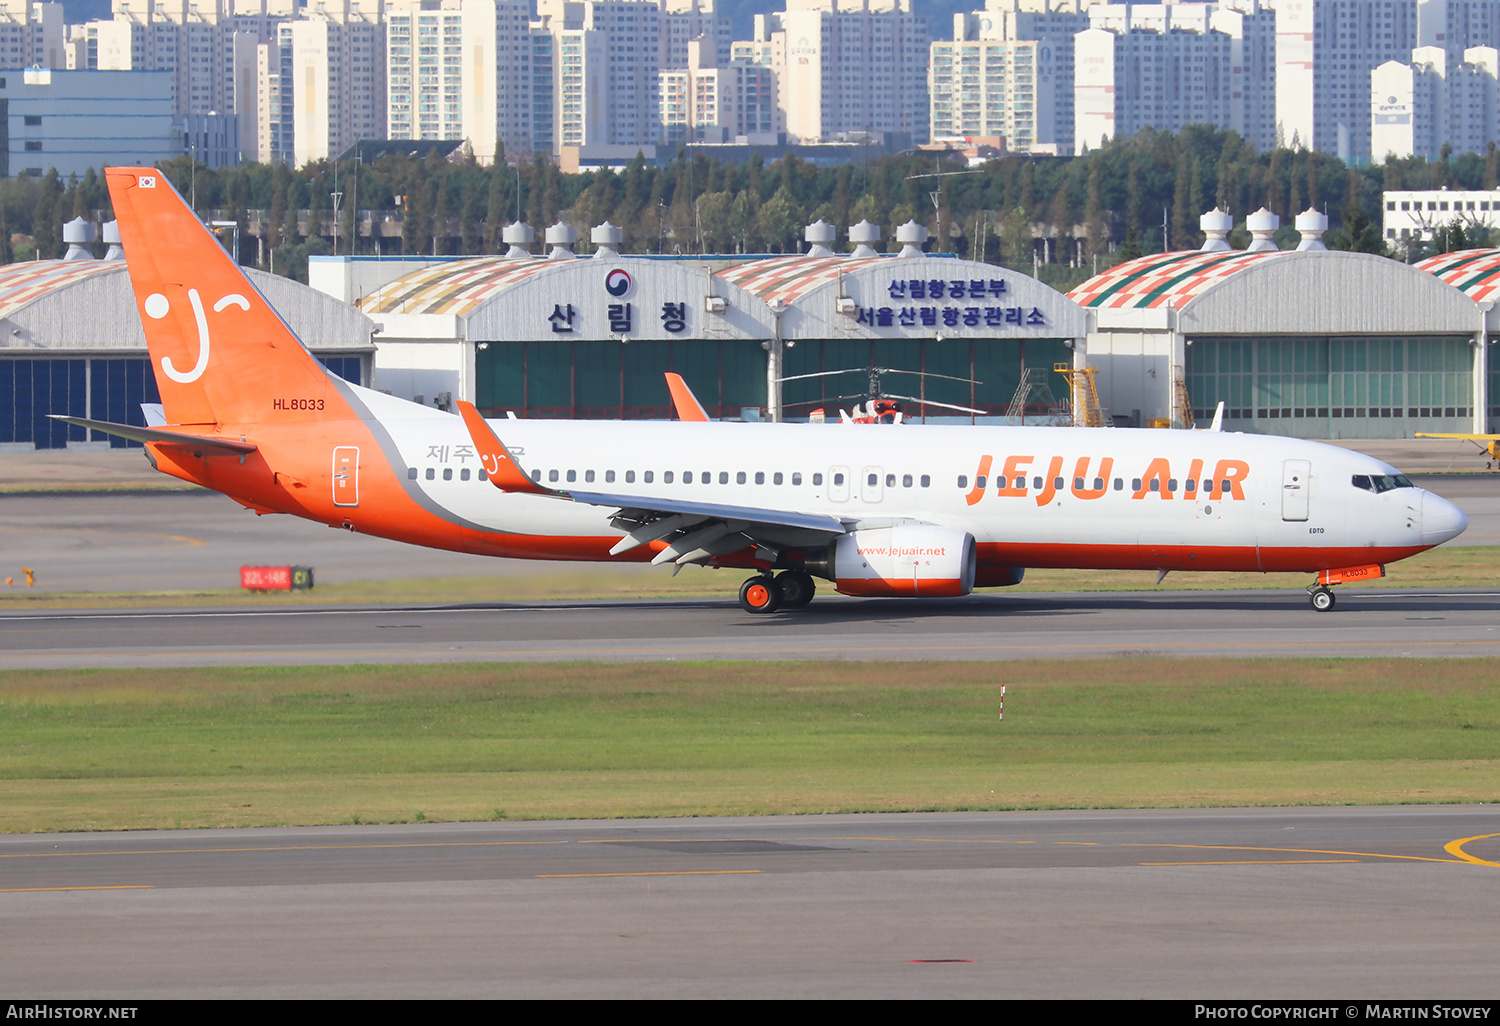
791, 589
1320, 597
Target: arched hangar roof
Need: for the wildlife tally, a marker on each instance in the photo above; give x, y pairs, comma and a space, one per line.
1318, 292
1474, 272
64, 305
459, 287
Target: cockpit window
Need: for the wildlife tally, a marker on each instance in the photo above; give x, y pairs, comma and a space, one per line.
1381, 482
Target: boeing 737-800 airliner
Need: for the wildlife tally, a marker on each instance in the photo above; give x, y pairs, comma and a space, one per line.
912, 510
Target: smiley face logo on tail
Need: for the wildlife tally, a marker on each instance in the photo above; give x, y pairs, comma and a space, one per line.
157, 307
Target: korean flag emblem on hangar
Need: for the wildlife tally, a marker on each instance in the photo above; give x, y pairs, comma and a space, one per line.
618, 283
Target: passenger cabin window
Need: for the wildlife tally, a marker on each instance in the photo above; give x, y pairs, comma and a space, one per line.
609, 477
648, 475
776, 478
926, 480
411, 473
463, 475
431, 474
963, 482
447, 473
817, 479
588, 476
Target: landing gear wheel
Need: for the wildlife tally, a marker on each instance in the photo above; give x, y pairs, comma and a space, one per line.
1321, 599
796, 588
760, 595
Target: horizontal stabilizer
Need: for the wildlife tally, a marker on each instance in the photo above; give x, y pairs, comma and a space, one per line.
152, 434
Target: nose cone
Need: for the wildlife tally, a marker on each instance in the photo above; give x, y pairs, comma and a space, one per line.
1441, 520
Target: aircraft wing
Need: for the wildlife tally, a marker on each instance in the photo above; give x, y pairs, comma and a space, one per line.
694, 531
154, 434
1467, 438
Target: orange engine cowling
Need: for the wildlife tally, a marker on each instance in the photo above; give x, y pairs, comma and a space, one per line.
912, 559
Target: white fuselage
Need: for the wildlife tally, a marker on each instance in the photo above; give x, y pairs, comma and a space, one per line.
1123, 492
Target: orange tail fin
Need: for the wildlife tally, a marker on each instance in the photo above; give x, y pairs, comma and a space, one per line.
221, 354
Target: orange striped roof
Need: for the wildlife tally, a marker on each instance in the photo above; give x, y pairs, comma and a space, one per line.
453, 287
785, 279
1475, 272
1165, 279
29, 280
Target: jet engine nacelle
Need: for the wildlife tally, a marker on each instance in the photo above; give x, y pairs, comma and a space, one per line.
915, 559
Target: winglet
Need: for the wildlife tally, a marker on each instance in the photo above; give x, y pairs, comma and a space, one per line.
688, 407
496, 459
1218, 424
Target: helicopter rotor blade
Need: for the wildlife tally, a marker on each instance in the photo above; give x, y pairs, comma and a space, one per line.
928, 374
826, 374
930, 402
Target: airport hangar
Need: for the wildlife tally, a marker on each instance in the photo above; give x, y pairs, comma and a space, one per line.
71, 342
1311, 343
1314, 343
559, 336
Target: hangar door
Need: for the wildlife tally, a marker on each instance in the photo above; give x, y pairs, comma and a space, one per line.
1333, 386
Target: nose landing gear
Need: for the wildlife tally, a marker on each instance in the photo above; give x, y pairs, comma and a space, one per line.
1321, 598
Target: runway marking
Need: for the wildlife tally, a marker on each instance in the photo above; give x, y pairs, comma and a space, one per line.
282, 847
113, 887
913, 840
1457, 848
1299, 851
192, 542
1258, 862
664, 872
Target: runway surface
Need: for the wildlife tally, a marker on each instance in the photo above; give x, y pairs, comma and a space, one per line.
1327, 903
165, 541
1459, 622
1258, 903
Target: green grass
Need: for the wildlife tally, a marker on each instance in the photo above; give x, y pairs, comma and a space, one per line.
161, 748
1477, 566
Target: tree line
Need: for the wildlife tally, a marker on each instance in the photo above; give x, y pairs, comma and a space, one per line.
1064, 217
